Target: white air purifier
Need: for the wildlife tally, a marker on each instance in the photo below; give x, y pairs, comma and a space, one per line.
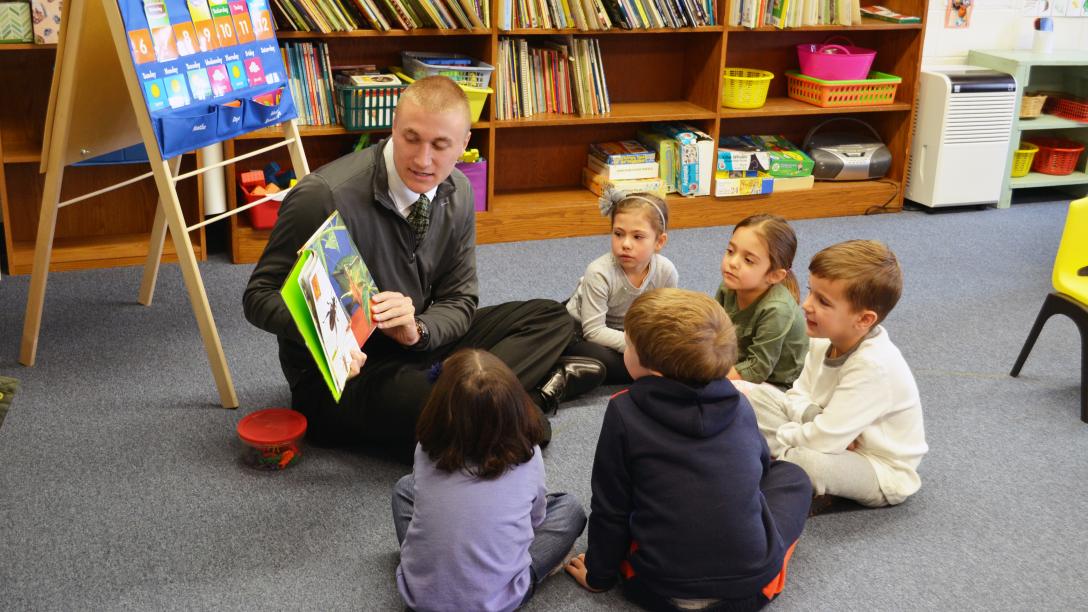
962, 126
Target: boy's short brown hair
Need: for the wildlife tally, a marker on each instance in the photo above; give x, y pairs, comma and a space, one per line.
684, 335
438, 94
869, 270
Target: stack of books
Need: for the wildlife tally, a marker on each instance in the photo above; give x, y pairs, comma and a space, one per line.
309, 76
345, 15
687, 154
625, 165
562, 75
753, 165
606, 14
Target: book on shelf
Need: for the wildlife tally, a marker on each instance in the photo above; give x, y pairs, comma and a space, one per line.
560, 75
792, 13
586, 15
328, 294
885, 14
725, 187
784, 159
622, 152
697, 157
309, 77
644, 170
597, 183
667, 151
793, 183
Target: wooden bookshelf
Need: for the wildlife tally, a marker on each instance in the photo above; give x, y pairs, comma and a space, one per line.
534, 182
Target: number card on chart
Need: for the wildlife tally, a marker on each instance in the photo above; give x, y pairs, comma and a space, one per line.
209, 69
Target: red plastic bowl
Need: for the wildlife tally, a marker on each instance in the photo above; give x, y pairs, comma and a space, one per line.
272, 436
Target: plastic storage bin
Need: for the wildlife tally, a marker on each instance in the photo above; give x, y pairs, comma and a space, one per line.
475, 74
263, 216
476, 95
835, 62
878, 89
1021, 159
271, 437
745, 87
1056, 156
1072, 108
367, 107
476, 173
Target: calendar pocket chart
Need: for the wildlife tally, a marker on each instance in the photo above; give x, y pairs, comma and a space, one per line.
209, 69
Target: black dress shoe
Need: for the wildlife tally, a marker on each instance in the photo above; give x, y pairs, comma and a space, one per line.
571, 377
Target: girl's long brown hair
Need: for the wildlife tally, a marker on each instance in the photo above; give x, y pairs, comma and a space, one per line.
478, 418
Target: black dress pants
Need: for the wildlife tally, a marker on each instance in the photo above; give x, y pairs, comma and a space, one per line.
381, 404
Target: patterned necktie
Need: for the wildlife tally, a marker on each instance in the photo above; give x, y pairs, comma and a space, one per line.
420, 216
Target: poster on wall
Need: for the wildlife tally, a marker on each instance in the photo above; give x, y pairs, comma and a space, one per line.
958, 15
209, 69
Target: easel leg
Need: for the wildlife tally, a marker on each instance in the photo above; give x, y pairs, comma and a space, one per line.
171, 207
155, 246
43, 248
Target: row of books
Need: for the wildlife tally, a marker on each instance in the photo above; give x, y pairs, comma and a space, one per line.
309, 75
562, 75
793, 13
605, 14
327, 16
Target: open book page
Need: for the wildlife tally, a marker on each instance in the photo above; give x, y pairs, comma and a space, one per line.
331, 321
348, 275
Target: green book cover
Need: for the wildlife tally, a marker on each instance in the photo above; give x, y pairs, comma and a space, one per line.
328, 295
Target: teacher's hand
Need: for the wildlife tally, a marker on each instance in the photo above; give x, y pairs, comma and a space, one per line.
395, 316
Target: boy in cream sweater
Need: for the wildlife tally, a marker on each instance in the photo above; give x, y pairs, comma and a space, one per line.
853, 419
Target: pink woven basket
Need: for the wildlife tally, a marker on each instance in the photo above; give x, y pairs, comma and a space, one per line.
835, 62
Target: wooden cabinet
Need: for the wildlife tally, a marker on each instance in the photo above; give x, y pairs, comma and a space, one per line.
535, 164
109, 230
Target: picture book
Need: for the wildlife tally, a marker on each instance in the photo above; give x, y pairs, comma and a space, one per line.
597, 183
785, 159
621, 152
624, 171
885, 14
328, 294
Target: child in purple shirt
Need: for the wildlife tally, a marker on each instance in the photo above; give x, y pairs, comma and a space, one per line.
477, 529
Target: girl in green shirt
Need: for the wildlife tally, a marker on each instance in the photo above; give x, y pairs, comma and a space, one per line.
760, 294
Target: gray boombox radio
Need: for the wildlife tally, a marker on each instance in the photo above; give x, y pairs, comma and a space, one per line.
847, 156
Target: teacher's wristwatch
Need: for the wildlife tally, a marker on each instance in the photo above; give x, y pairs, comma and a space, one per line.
424, 335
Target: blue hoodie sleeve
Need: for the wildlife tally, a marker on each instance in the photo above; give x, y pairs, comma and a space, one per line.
609, 534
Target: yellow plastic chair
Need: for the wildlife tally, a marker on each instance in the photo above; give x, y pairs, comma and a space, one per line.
1070, 295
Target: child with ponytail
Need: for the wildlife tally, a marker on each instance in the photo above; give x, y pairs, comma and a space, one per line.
760, 294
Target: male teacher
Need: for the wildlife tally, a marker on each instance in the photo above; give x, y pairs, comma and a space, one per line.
412, 218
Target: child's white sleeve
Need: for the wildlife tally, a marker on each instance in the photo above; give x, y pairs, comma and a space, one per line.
859, 399
799, 397
593, 309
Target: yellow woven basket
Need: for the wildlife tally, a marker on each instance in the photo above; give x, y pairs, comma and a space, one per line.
745, 87
1021, 159
1031, 105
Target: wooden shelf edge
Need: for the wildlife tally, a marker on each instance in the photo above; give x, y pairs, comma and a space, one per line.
574, 212
776, 107
93, 252
1038, 179
622, 112
27, 47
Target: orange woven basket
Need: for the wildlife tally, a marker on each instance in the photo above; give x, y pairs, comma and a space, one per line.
1056, 156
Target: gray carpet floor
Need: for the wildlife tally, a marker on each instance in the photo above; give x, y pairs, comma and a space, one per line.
121, 485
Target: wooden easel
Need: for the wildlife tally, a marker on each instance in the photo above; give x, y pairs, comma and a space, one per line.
94, 67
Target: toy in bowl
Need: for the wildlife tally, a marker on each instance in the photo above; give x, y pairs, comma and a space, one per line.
271, 437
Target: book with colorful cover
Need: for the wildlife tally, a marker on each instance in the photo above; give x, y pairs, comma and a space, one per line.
597, 183
786, 160
621, 152
885, 14
328, 295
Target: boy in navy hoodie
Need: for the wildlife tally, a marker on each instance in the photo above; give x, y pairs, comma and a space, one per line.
688, 507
